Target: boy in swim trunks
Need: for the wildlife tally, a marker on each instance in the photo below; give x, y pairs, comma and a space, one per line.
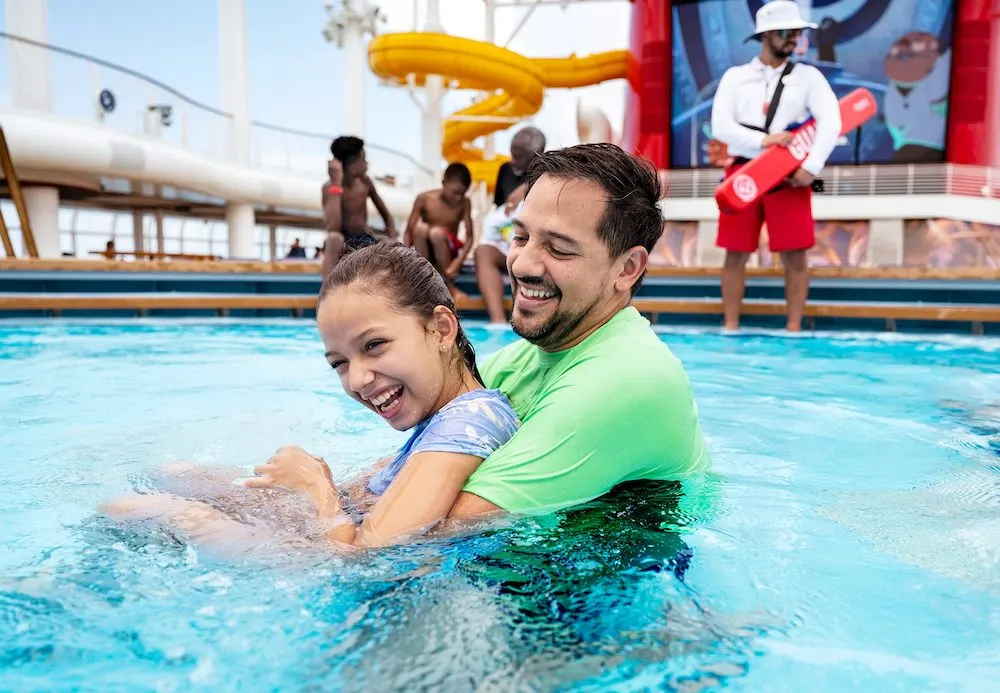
349, 185
432, 228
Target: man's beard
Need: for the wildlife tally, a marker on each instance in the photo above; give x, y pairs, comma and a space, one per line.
555, 330
783, 52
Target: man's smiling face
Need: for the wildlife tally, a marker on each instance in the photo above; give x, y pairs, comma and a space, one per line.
561, 271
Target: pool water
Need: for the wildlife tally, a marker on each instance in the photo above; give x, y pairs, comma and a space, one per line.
851, 539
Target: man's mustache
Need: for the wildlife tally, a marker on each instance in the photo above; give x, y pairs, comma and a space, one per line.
537, 283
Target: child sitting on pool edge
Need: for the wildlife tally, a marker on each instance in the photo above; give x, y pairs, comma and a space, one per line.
391, 333
432, 228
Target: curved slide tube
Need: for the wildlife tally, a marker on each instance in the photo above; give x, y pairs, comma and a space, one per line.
468, 64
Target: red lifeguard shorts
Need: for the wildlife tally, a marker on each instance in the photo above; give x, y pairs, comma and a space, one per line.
787, 211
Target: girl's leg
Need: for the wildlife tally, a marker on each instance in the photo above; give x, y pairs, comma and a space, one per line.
200, 522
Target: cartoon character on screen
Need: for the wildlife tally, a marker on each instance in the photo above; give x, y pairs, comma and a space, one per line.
916, 100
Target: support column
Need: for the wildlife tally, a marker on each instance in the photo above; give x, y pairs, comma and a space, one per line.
647, 124
43, 215
432, 120
974, 96
885, 243
233, 76
355, 69
159, 231
272, 242
138, 240
348, 27
489, 150
707, 253
30, 71
240, 223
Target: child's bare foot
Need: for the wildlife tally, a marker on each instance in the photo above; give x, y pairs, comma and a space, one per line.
456, 293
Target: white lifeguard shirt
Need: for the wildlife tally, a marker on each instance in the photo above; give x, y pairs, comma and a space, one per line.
743, 96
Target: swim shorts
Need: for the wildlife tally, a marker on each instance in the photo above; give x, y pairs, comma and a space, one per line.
786, 210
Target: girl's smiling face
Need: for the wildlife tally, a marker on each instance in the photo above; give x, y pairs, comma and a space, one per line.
393, 361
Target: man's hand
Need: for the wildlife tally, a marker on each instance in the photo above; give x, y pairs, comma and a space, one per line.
515, 198
801, 178
782, 139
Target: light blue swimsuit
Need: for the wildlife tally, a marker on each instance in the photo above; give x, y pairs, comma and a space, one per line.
474, 423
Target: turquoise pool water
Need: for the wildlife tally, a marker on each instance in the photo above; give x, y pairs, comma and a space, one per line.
853, 544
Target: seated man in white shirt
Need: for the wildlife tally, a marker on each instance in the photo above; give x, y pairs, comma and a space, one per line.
739, 119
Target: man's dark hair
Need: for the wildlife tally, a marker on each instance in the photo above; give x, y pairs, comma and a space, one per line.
458, 172
347, 148
632, 216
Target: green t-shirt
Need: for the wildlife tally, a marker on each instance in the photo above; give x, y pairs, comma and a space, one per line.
617, 407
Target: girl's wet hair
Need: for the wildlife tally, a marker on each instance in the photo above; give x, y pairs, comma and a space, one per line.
402, 275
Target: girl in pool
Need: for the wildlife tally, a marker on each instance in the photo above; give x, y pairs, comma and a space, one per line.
388, 324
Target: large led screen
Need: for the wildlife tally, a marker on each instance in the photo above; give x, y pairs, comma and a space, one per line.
899, 49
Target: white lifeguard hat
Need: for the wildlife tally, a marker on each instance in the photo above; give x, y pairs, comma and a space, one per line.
777, 15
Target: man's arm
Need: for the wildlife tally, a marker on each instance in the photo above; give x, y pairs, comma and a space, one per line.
411, 223
498, 197
825, 108
515, 198
725, 128
390, 223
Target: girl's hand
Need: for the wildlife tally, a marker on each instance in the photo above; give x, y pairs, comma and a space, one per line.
293, 468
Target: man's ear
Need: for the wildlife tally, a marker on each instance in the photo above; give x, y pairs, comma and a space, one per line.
444, 324
631, 266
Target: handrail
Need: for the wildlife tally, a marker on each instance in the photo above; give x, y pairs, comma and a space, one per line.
320, 136
198, 104
17, 196
118, 68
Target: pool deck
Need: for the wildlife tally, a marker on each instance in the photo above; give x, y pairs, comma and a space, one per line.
895, 298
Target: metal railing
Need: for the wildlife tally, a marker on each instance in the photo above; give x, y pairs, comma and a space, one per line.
897, 179
147, 106
83, 232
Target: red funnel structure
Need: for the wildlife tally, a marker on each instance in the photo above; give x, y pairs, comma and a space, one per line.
646, 129
974, 112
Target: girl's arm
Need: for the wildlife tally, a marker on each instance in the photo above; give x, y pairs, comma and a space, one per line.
419, 497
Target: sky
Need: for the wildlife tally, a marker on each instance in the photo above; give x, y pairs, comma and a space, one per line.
296, 78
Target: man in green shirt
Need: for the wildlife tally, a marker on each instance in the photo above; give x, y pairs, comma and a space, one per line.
601, 399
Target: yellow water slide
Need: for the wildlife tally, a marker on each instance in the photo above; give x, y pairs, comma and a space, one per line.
518, 83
